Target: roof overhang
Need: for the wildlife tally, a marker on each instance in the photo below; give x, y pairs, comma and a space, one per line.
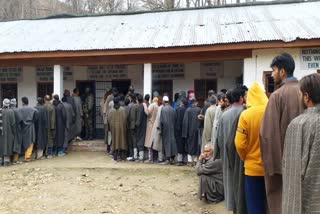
148, 55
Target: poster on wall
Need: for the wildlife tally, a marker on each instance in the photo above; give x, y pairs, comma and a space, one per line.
168, 71
310, 58
107, 72
45, 74
211, 70
10, 75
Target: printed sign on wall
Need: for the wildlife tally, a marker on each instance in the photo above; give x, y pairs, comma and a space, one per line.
10, 74
107, 72
168, 71
67, 73
45, 74
211, 70
310, 58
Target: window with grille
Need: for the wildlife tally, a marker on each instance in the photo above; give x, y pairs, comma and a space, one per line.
100, 91
44, 88
8, 90
163, 86
201, 87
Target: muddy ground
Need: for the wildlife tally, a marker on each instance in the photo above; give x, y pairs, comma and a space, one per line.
90, 182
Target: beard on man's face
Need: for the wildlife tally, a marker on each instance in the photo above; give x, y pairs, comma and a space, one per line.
304, 102
276, 75
276, 78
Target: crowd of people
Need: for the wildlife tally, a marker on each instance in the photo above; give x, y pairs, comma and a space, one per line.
260, 155
265, 154
46, 129
257, 154
158, 132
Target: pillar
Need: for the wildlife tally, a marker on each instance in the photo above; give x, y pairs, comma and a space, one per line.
58, 80
147, 79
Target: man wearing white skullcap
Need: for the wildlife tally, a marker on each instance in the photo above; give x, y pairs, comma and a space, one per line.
7, 131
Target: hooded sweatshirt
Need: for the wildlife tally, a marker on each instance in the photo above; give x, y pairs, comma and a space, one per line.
247, 136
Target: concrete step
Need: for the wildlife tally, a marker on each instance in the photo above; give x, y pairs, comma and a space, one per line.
90, 146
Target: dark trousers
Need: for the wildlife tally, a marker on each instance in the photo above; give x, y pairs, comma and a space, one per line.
88, 125
255, 194
131, 141
119, 154
106, 134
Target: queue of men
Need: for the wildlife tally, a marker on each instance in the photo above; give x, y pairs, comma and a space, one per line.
156, 132
260, 155
44, 130
266, 151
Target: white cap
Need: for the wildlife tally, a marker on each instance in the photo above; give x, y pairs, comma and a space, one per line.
165, 99
6, 102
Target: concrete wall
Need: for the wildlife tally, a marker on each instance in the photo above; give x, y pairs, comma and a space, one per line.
135, 73
232, 69
260, 62
192, 71
28, 86
252, 69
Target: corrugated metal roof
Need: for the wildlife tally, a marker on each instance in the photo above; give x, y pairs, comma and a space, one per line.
284, 22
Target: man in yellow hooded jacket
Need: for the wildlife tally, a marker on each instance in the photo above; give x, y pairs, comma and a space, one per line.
248, 147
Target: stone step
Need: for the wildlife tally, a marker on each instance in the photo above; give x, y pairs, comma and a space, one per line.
90, 146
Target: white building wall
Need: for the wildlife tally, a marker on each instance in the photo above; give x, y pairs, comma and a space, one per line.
28, 87
261, 60
249, 73
192, 72
252, 69
232, 69
79, 73
135, 74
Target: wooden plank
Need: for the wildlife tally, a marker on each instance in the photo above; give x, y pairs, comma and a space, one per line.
144, 51
130, 59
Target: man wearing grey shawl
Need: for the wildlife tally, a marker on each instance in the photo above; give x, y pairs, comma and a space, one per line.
7, 131
29, 116
17, 143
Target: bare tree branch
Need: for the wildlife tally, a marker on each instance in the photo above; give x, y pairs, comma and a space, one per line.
21, 9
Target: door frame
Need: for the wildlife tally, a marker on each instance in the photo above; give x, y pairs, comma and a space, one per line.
93, 82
